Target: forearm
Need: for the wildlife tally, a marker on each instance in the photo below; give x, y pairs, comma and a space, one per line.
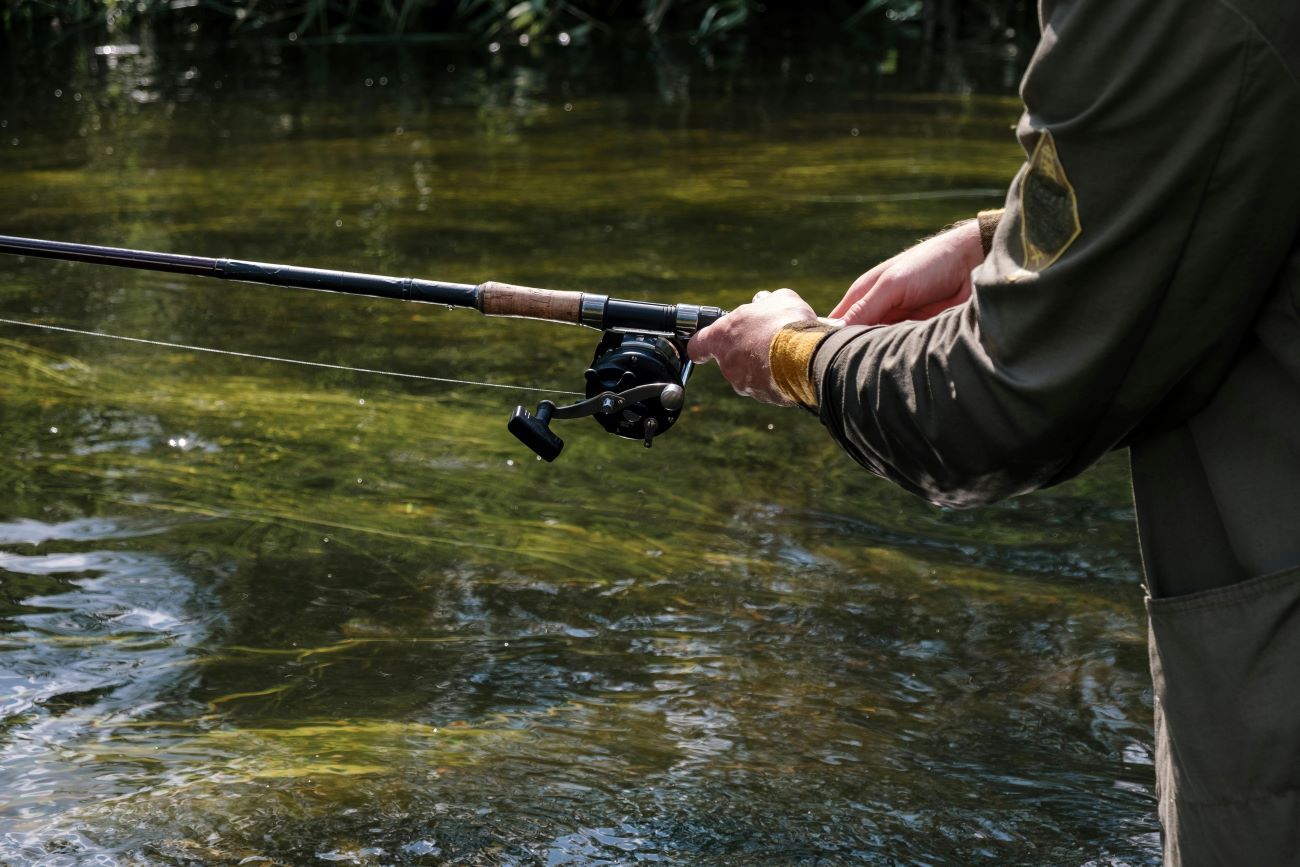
922, 404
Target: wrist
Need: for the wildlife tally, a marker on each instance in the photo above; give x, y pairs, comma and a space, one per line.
964, 240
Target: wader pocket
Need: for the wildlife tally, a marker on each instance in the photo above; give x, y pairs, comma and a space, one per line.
1226, 669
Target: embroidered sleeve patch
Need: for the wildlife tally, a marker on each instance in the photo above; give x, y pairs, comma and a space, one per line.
1049, 211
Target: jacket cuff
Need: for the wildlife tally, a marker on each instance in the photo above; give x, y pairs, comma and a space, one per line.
790, 359
988, 221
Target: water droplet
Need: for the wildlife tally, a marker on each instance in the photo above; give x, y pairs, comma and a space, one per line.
54, 430
495, 47
507, 644
361, 402
565, 38
182, 442
568, 106
510, 462
451, 67
338, 224
326, 540
172, 442
370, 82
362, 481
293, 37
58, 93
400, 130
771, 427
794, 262
808, 78
383, 81
854, 131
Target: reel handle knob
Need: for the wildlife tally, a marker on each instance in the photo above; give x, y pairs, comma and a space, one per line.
535, 432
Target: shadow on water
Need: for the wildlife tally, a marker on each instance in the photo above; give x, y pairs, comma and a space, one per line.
259, 613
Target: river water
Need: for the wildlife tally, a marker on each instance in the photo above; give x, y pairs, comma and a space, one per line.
254, 612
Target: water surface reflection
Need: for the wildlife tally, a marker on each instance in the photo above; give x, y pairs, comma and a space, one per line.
263, 613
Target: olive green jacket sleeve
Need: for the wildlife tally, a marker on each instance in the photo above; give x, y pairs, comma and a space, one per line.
1140, 238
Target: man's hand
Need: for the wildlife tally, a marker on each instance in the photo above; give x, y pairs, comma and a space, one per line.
741, 340
916, 284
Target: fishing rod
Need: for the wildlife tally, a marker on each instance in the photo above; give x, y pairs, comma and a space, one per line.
635, 385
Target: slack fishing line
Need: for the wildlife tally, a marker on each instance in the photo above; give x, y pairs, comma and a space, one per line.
635, 384
304, 362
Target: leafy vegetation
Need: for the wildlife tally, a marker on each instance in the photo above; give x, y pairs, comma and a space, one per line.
528, 22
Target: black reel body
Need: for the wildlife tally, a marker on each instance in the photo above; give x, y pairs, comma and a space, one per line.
635, 389
626, 360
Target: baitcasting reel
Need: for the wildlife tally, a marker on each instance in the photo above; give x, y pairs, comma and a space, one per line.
635, 389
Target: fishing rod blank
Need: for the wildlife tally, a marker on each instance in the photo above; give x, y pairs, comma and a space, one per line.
490, 298
635, 385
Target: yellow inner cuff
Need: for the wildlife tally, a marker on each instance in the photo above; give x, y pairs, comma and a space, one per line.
988, 221
790, 359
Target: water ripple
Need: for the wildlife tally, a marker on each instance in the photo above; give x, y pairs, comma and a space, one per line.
91, 641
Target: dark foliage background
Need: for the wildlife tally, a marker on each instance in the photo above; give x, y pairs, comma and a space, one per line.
930, 42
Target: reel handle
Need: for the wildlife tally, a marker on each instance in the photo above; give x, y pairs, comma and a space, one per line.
535, 431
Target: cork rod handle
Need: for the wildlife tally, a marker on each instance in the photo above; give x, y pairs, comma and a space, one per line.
504, 299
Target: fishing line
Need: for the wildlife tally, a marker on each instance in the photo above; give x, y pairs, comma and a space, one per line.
255, 357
